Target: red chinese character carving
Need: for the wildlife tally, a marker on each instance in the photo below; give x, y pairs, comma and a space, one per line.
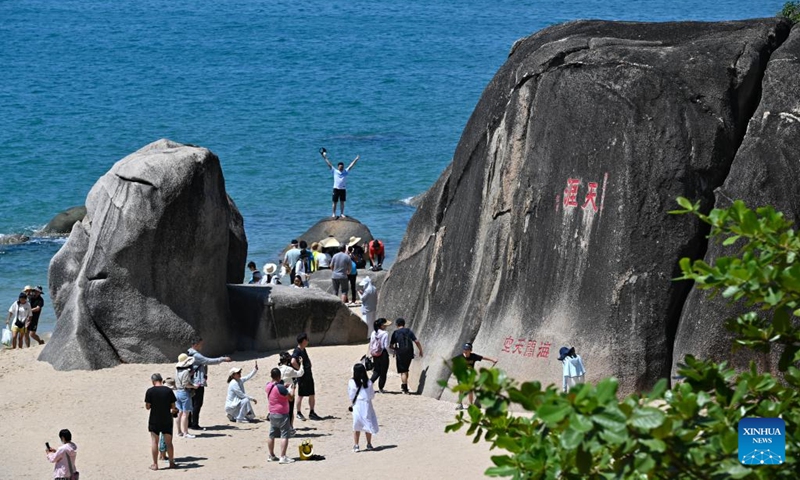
591, 196
531, 348
544, 350
571, 192
507, 344
518, 346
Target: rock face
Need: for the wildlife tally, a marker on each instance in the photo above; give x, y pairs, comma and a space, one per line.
764, 172
13, 239
270, 317
341, 229
145, 271
550, 226
62, 223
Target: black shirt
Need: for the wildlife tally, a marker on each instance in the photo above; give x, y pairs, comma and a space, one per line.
302, 353
160, 399
473, 357
403, 341
36, 302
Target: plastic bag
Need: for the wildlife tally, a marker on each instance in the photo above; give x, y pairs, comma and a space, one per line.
6, 337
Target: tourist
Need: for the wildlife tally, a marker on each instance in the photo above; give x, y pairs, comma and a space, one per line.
64, 458
379, 350
375, 253
341, 265
200, 380
402, 342
573, 369
289, 376
360, 391
271, 277
20, 312
356, 252
322, 261
339, 181
279, 415
298, 282
471, 358
369, 301
238, 406
351, 277
183, 393
36, 302
255, 279
305, 265
290, 259
305, 383
160, 400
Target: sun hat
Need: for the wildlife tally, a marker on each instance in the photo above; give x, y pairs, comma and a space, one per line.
564, 351
184, 361
353, 241
270, 268
329, 242
233, 371
38, 289
27, 288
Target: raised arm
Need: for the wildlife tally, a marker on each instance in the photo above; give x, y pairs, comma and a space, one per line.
353, 163
325, 157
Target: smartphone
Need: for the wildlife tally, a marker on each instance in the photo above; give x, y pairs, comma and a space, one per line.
47, 444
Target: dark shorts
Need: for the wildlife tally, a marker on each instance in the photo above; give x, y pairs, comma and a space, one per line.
404, 363
340, 285
339, 194
33, 325
157, 429
305, 385
279, 426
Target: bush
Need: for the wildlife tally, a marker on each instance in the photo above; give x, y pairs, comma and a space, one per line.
689, 431
791, 10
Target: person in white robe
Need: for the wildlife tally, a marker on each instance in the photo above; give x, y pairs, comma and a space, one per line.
238, 405
361, 393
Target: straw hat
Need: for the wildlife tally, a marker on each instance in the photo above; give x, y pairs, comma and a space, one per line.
329, 242
170, 382
353, 241
270, 268
27, 288
233, 371
184, 361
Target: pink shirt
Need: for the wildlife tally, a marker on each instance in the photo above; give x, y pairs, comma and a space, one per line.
277, 403
59, 457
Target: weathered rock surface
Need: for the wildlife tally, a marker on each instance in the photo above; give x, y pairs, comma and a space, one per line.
13, 239
270, 317
321, 280
550, 226
764, 172
62, 223
341, 229
145, 271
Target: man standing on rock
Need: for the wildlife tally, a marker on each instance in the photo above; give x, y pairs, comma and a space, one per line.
339, 181
36, 302
200, 379
305, 384
402, 342
341, 265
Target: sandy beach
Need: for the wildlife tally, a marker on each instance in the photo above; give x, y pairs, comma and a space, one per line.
105, 411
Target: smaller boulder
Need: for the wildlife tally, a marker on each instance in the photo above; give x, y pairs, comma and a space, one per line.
62, 223
13, 239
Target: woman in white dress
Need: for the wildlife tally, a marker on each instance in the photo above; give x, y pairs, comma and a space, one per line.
361, 393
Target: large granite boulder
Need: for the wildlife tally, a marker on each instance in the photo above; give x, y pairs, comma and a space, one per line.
342, 229
62, 223
270, 317
764, 172
145, 271
550, 226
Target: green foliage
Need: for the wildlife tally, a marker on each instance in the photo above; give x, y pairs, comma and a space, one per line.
791, 10
688, 431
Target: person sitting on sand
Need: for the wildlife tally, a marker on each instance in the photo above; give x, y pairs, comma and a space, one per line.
160, 400
20, 312
279, 417
64, 458
339, 181
238, 406
471, 358
361, 392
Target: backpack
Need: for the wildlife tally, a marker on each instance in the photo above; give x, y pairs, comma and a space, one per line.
404, 344
375, 345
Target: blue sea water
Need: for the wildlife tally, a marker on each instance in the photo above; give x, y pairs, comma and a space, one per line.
263, 84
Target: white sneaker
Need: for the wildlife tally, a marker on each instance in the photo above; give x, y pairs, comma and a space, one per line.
272, 458
188, 435
356, 449
285, 460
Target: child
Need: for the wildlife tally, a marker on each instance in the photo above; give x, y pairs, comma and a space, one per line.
471, 359
162, 444
573, 367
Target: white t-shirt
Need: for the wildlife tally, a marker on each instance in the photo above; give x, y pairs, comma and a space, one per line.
324, 260
19, 311
340, 178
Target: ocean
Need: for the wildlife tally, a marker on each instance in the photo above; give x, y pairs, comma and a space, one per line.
264, 85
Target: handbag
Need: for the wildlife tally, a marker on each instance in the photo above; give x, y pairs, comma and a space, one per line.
368, 363
73, 475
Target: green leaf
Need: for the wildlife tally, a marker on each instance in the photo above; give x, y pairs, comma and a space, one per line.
611, 418
607, 390
501, 471
647, 418
730, 240
553, 413
579, 422
571, 438
654, 444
